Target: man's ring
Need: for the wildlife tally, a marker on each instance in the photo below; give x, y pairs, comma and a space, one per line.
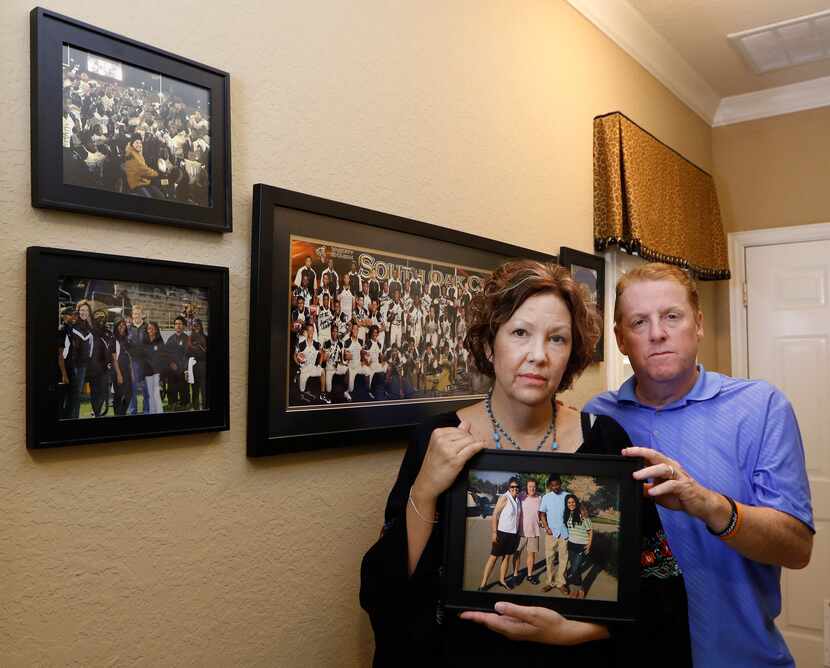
672, 473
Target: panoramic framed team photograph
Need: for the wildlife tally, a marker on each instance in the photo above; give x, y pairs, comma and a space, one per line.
555, 530
589, 271
122, 347
125, 130
357, 321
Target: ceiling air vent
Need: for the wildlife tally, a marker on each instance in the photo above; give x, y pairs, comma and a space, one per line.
793, 42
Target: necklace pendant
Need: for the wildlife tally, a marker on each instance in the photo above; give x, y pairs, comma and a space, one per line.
497, 439
554, 445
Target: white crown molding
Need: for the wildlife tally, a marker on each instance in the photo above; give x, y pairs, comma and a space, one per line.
773, 102
633, 34
626, 27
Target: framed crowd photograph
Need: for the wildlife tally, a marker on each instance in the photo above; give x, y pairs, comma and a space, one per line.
125, 130
357, 321
588, 270
122, 347
498, 511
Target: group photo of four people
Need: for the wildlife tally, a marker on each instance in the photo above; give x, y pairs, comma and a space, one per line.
528, 523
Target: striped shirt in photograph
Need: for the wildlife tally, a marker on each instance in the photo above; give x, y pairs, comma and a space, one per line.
578, 533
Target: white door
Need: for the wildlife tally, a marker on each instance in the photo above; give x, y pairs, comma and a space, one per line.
788, 344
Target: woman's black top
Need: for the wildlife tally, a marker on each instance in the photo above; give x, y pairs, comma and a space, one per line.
198, 347
154, 357
81, 345
412, 627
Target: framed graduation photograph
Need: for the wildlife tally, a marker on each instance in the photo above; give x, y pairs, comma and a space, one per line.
126, 130
357, 321
123, 347
589, 271
516, 519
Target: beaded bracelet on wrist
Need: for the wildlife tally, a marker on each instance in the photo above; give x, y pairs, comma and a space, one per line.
732, 526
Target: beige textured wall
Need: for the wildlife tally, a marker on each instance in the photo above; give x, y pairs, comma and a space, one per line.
772, 172
471, 114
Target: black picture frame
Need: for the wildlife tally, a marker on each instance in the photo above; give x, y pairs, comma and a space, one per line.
624, 608
589, 270
274, 427
45, 267
50, 31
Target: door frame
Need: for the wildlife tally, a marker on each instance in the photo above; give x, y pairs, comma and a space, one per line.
615, 260
738, 243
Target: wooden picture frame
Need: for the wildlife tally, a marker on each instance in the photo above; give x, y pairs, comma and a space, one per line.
92, 94
73, 393
588, 270
286, 408
609, 572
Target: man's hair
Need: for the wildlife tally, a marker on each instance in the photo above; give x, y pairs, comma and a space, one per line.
179, 318
554, 477
506, 290
656, 271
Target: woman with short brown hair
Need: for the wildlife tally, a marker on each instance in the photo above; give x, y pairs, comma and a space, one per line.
533, 333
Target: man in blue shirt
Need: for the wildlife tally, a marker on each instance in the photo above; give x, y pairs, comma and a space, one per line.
552, 517
727, 465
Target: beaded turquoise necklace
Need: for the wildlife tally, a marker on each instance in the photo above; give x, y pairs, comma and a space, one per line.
500, 432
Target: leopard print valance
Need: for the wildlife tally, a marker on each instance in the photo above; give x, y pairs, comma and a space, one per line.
650, 200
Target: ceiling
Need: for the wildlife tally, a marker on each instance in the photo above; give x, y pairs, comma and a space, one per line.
697, 29
684, 44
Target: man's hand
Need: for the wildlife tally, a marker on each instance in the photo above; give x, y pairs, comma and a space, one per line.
767, 535
675, 489
521, 622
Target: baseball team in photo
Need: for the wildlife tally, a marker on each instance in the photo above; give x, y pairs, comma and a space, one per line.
369, 326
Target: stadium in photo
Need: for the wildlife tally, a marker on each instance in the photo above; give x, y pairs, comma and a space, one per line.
131, 131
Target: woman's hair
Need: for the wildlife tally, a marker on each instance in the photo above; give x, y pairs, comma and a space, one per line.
158, 331
80, 321
506, 290
576, 515
372, 330
118, 324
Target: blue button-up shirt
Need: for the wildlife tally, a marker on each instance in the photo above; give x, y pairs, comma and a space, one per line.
553, 505
740, 438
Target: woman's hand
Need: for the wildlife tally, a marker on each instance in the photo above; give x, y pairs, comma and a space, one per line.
494, 537
448, 451
521, 622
